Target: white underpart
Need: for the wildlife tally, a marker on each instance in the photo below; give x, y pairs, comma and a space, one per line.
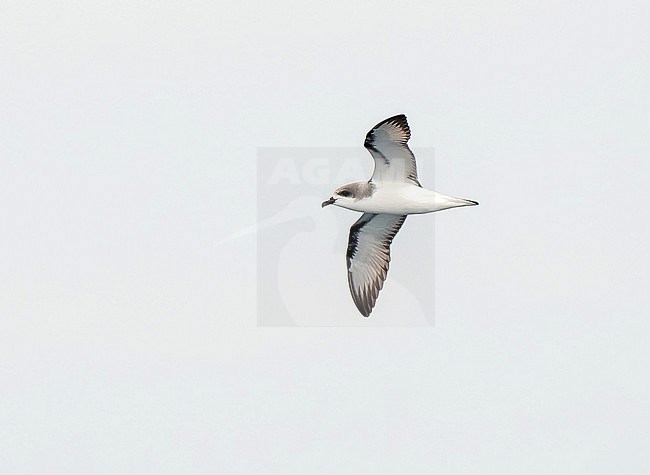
402, 198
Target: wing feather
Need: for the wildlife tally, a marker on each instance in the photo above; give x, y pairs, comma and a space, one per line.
387, 143
368, 256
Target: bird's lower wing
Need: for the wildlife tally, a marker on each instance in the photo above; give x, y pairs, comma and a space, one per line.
368, 256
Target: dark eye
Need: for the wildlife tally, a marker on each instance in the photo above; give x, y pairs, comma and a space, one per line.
344, 193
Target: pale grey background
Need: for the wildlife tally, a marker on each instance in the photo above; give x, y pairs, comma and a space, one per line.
129, 132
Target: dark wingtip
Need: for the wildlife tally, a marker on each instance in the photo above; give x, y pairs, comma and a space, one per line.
475, 203
364, 311
399, 120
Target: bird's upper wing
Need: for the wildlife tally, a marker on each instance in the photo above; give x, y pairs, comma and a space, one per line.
368, 256
394, 161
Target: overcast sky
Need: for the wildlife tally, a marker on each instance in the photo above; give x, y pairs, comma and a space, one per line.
131, 338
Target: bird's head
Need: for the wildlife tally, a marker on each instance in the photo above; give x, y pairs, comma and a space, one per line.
347, 195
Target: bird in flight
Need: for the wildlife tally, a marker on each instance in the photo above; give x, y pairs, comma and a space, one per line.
392, 193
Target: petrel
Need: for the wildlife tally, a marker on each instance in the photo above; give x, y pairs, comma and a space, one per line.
392, 193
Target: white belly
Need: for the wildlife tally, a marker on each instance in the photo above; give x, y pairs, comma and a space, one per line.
400, 198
